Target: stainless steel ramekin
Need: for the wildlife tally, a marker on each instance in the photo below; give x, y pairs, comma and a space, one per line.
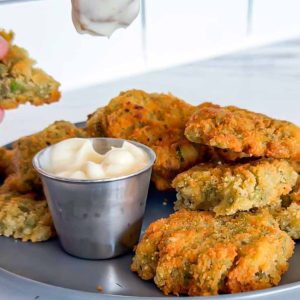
97, 219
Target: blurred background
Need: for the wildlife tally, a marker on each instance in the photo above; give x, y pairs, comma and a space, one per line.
166, 33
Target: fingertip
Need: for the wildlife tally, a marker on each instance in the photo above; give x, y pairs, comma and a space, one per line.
1, 114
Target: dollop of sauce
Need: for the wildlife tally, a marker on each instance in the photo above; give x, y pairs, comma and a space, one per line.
76, 158
103, 17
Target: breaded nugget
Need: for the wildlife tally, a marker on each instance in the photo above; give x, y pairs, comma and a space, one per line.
5, 162
156, 120
20, 82
213, 154
25, 217
226, 189
196, 253
288, 214
240, 130
296, 166
25, 179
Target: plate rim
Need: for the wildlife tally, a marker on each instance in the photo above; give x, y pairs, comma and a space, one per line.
68, 292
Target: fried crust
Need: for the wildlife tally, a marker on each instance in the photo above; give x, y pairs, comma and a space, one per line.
226, 189
25, 217
288, 213
156, 120
20, 82
25, 179
240, 130
196, 253
5, 162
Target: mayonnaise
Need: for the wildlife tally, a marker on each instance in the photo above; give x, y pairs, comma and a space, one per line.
103, 17
77, 159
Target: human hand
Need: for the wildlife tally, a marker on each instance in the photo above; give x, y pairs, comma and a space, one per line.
3, 51
3, 47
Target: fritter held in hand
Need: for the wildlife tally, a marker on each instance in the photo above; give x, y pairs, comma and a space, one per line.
20, 82
196, 253
240, 130
25, 217
226, 189
24, 178
157, 120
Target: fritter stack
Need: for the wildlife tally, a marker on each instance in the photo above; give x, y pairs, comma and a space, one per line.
231, 208
24, 212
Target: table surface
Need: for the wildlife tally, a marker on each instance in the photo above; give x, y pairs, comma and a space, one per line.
264, 80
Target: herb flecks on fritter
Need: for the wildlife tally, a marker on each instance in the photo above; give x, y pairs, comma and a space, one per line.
25, 217
5, 162
227, 189
240, 130
288, 213
25, 179
20, 82
156, 120
196, 253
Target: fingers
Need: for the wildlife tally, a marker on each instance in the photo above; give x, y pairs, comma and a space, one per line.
1, 114
3, 47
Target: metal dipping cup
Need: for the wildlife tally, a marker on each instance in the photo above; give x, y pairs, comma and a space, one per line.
102, 218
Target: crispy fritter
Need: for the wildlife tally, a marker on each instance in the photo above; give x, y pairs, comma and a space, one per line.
226, 189
296, 165
20, 82
25, 179
216, 155
240, 130
196, 253
156, 120
5, 162
288, 214
25, 217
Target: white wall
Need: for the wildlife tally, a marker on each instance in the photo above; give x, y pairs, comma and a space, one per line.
177, 31
45, 28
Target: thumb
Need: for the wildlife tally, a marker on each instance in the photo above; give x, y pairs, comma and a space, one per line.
4, 46
1, 114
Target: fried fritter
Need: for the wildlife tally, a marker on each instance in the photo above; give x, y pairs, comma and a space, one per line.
288, 214
240, 130
296, 165
156, 120
20, 82
5, 162
226, 189
25, 217
25, 179
196, 253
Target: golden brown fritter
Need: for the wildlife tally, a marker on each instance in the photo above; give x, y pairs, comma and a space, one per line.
296, 166
156, 120
5, 162
25, 179
20, 82
288, 214
240, 130
196, 253
226, 189
25, 217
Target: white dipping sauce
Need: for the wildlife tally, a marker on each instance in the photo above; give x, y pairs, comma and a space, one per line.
77, 159
103, 17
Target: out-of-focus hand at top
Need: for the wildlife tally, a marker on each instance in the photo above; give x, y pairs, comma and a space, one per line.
103, 17
1, 114
3, 50
4, 46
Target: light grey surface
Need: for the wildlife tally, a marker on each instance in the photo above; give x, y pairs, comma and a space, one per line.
265, 80
47, 263
101, 218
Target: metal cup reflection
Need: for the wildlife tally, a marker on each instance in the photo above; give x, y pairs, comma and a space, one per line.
97, 219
